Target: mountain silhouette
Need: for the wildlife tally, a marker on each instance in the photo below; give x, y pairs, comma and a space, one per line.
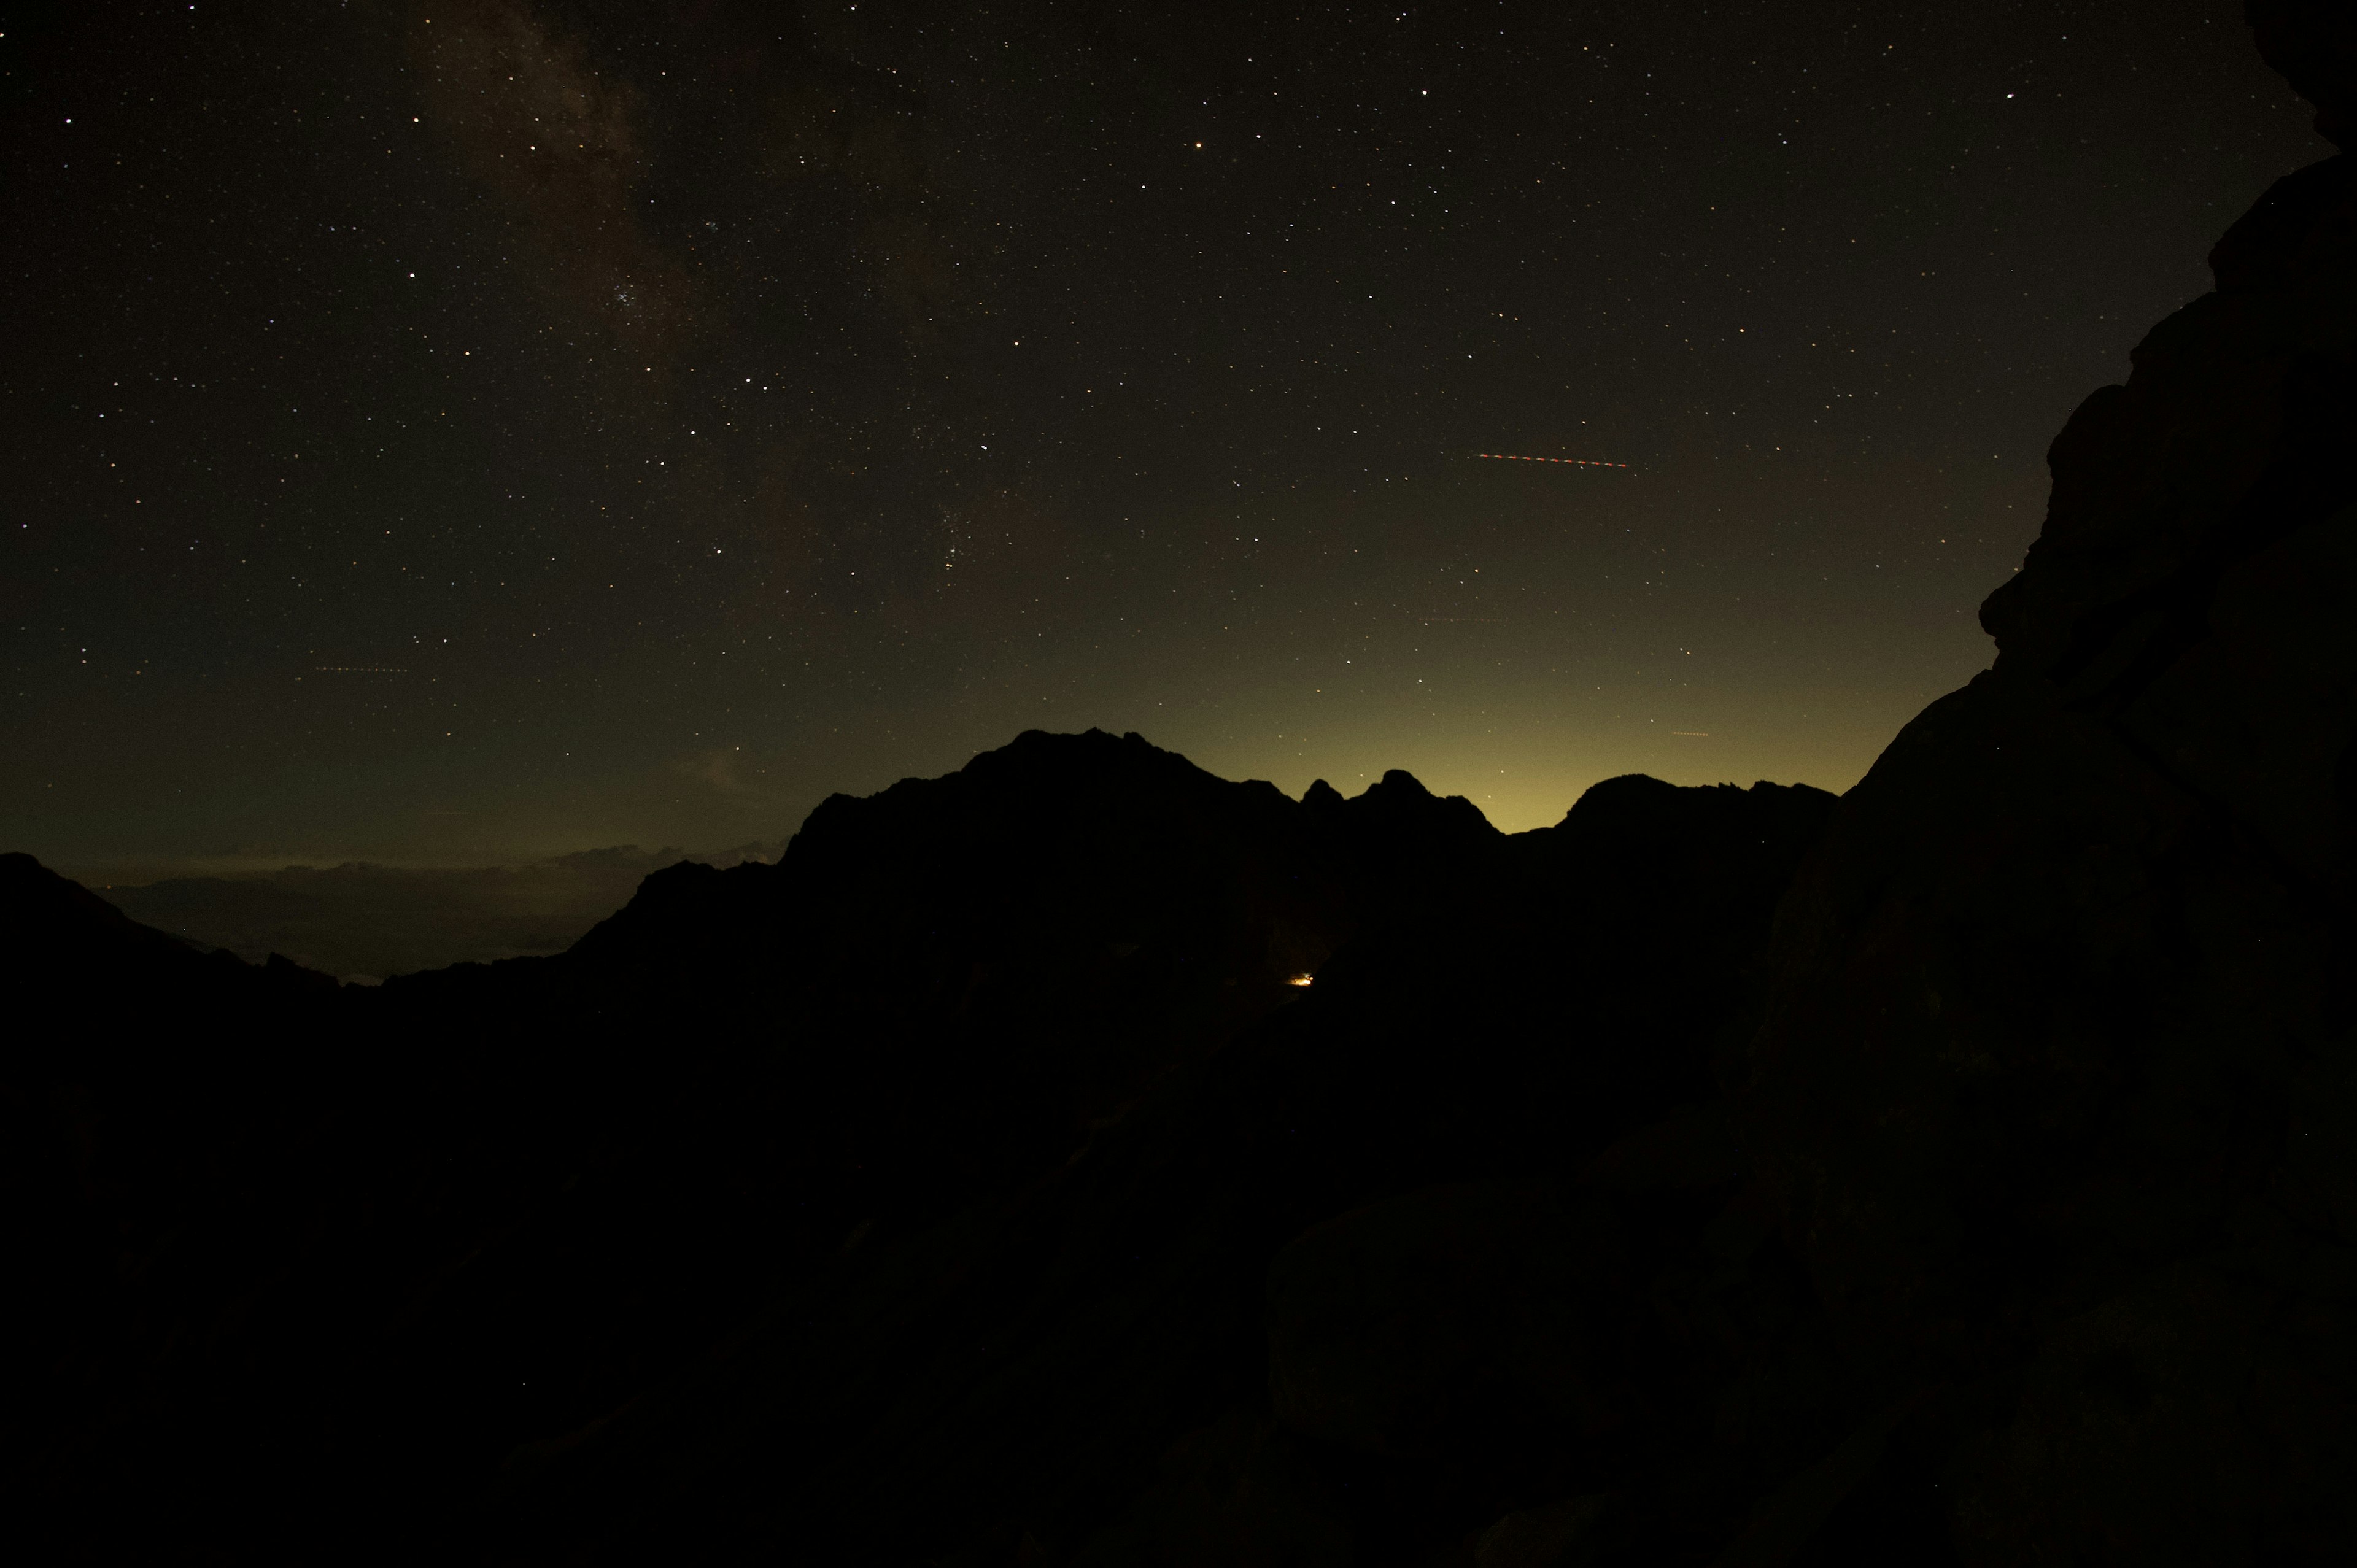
517, 1217
1080, 1159
362, 921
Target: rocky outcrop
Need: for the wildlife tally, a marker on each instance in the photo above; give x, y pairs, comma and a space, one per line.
479, 1213
2056, 1087
1084, 1363
1961, 1173
139, 1079
1451, 1321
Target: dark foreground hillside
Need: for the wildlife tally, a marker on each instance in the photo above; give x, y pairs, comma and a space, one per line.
912, 1198
1963, 1171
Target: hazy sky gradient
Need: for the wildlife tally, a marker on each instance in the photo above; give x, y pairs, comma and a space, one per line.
463, 433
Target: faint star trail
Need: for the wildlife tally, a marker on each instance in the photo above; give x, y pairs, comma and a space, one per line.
1575, 462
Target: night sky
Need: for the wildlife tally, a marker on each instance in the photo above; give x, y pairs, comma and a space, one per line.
455, 433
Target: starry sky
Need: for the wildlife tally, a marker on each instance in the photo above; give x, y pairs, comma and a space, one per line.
447, 433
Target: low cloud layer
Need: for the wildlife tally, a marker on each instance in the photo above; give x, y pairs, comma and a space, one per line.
361, 920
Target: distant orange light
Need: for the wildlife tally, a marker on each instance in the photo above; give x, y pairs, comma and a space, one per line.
1298, 980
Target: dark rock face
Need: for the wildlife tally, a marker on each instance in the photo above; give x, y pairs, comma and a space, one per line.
493, 1205
1446, 1321
915, 1197
2312, 44
1964, 1172
140, 1080
1085, 1364
2056, 1090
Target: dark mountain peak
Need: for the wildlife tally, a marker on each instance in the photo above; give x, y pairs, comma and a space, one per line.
2230, 438
1396, 782
1083, 753
42, 912
1398, 806
94, 994
57, 935
1063, 807
1400, 842
1617, 797
964, 1188
1636, 812
2042, 1089
682, 902
2312, 44
1063, 839
1034, 784
1631, 795
951, 1189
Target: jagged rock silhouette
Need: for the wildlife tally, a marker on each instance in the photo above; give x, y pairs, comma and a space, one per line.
775, 1165
2056, 1087
1958, 1173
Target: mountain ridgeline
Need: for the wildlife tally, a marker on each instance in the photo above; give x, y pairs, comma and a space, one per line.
1960, 1172
889, 1174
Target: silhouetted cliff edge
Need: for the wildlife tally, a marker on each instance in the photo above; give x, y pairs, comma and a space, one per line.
975, 1122
2056, 1096
1964, 1172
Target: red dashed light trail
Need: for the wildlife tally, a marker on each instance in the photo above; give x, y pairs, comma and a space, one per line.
1575, 462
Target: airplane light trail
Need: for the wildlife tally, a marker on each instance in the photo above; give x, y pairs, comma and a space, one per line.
1575, 462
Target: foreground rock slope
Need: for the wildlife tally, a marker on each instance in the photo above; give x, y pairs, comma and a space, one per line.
2057, 1093
1963, 1173
913, 1197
